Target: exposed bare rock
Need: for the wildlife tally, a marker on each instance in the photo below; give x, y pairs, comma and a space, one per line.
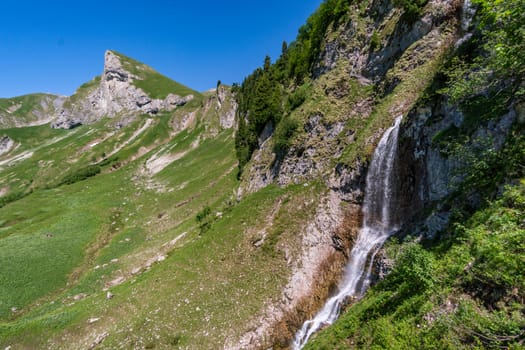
305, 161
227, 107
6, 144
432, 173
98, 340
114, 95
266, 133
353, 43
173, 101
317, 249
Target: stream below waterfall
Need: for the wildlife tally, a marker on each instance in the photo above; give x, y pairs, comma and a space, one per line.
378, 225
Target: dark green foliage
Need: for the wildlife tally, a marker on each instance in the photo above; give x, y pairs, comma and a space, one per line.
483, 168
414, 271
500, 57
109, 161
304, 51
412, 8
263, 94
245, 143
297, 98
375, 41
11, 197
81, 174
283, 135
503, 23
204, 219
497, 243
260, 102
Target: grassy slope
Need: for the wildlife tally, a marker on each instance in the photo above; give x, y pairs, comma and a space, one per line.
124, 214
208, 277
82, 92
27, 104
153, 83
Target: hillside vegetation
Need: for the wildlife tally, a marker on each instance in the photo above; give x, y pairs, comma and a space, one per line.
225, 220
463, 288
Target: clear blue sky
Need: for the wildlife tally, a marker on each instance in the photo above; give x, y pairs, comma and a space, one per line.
55, 46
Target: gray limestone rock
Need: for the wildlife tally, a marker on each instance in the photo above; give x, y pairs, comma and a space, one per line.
6, 143
115, 95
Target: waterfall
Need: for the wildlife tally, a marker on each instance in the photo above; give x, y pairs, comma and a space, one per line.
467, 15
378, 224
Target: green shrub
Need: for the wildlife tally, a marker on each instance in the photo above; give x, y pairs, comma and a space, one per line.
412, 8
283, 135
298, 97
204, 219
414, 270
81, 174
375, 41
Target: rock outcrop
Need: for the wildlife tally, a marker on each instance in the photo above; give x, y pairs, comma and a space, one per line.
113, 94
404, 47
431, 172
227, 115
6, 144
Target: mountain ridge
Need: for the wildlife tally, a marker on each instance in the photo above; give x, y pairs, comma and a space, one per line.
126, 87
227, 221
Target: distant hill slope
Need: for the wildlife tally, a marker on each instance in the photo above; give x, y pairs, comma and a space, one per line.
33, 109
125, 88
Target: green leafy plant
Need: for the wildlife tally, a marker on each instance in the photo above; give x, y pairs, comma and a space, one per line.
283, 135
414, 270
412, 8
204, 219
81, 174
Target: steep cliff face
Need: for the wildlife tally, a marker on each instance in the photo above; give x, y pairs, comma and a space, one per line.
432, 171
116, 93
353, 80
375, 64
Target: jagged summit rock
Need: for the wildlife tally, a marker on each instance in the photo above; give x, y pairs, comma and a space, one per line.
120, 91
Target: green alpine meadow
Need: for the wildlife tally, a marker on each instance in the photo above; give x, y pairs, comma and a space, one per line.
363, 190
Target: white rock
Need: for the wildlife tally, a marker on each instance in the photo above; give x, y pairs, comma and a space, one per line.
115, 95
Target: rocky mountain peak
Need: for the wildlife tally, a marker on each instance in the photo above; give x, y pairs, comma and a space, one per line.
113, 69
116, 94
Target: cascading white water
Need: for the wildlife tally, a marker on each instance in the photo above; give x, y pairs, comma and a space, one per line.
378, 225
467, 15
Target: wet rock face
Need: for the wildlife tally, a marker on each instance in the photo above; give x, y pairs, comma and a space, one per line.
428, 174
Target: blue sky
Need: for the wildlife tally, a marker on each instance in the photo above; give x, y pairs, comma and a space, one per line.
55, 46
